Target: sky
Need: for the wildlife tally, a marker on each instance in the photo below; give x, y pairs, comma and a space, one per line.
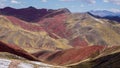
72, 5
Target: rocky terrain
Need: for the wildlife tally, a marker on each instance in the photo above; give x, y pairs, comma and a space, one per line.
57, 37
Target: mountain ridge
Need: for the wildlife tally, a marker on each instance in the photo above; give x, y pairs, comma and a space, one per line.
30, 14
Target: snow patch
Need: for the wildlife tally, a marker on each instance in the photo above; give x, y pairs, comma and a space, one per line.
25, 65
4, 63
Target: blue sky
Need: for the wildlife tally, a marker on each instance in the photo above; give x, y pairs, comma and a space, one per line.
72, 5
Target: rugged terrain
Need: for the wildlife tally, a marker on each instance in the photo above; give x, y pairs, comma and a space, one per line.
59, 37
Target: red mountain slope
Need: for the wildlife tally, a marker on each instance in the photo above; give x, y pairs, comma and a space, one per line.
24, 25
16, 50
70, 56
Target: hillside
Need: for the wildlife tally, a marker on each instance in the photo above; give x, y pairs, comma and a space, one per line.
58, 37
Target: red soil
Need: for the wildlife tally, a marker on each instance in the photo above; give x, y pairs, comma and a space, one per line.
56, 25
69, 56
24, 24
78, 42
76, 55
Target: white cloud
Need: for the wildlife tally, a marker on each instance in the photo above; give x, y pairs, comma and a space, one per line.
15, 2
112, 1
105, 1
87, 1
2, 3
90, 1
94, 1
44, 0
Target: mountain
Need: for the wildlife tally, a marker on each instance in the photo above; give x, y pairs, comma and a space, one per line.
106, 15
103, 13
29, 14
57, 37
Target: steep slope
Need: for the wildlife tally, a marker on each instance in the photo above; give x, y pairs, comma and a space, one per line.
107, 59
82, 29
69, 56
57, 27
16, 50
94, 31
14, 31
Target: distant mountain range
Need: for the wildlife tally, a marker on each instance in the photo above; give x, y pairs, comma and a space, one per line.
106, 14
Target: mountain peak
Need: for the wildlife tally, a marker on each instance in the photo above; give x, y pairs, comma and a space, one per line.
32, 8
64, 10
